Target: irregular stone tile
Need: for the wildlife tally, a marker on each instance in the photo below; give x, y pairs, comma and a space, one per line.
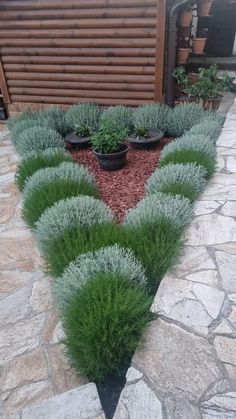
192, 304
138, 401
16, 233
226, 349
232, 316
28, 395
231, 370
229, 209
50, 327
78, 403
180, 408
20, 337
231, 164
63, 376
6, 212
14, 256
211, 229
14, 307
6, 179
220, 406
220, 386
41, 298
227, 247
223, 328
227, 268
25, 368
220, 164
173, 358
226, 151
205, 207
193, 259
208, 277
13, 280
222, 186
133, 374
232, 298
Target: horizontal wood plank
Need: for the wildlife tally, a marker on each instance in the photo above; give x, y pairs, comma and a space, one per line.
113, 61
89, 43
72, 100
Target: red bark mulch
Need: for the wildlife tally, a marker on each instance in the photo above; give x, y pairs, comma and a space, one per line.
122, 189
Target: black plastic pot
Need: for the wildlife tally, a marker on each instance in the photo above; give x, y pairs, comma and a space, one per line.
77, 142
146, 143
113, 161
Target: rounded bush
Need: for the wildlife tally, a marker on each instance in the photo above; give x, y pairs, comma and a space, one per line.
120, 115
176, 209
83, 114
49, 185
50, 157
184, 116
38, 138
53, 117
67, 214
210, 129
103, 324
152, 116
112, 259
178, 179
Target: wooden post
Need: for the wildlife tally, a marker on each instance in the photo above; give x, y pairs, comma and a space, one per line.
3, 85
160, 50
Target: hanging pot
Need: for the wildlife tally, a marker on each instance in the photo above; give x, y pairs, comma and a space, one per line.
185, 18
204, 7
212, 104
198, 45
182, 55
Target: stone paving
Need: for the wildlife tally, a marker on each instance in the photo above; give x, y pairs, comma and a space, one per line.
185, 367
32, 364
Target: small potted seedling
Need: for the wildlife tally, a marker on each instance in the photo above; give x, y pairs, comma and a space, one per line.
108, 145
144, 138
80, 138
186, 89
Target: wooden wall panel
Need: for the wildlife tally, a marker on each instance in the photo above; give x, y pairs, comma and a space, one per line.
104, 51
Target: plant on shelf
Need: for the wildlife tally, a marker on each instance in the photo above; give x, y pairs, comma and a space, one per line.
204, 7
199, 42
187, 90
210, 86
108, 145
185, 17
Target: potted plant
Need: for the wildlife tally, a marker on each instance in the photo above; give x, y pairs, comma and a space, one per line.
108, 145
185, 17
193, 77
204, 7
198, 44
211, 86
182, 55
80, 138
144, 138
184, 85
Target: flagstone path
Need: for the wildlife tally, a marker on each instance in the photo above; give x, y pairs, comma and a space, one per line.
32, 363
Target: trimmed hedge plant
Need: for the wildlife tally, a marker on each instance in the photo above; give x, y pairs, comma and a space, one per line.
112, 259
120, 115
154, 116
37, 138
50, 157
190, 148
103, 324
85, 115
178, 179
49, 185
210, 129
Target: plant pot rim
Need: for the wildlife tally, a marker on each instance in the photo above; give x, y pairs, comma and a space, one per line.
155, 136
214, 98
73, 138
199, 39
123, 149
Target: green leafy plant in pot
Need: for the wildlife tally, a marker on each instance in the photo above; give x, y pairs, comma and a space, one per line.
144, 138
108, 145
80, 138
186, 91
210, 87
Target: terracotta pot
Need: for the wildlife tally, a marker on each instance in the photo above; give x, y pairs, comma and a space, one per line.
182, 55
198, 45
193, 77
188, 99
185, 18
204, 7
212, 104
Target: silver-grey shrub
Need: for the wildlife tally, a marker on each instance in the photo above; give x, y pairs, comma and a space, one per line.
112, 259
184, 116
49, 174
211, 129
121, 115
152, 116
83, 114
37, 138
176, 209
190, 173
66, 214
194, 142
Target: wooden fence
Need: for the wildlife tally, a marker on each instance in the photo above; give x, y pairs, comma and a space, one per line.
69, 51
